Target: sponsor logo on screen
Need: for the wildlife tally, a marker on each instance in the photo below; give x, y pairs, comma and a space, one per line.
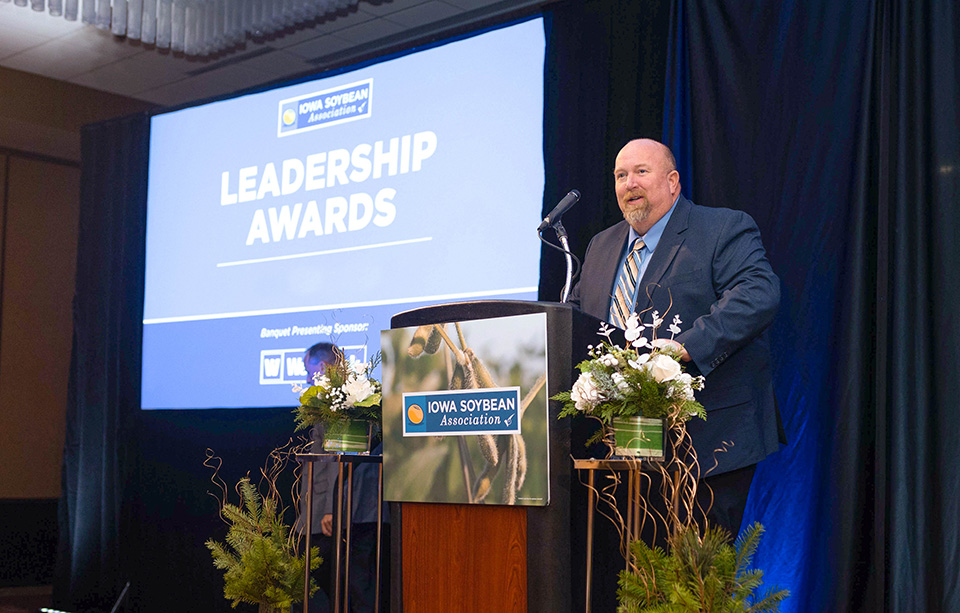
285, 366
462, 412
325, 108
282, 366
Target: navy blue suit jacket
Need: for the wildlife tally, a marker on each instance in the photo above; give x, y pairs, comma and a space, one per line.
710, 263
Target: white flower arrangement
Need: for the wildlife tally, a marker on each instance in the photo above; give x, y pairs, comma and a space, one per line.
622, 382
345, 390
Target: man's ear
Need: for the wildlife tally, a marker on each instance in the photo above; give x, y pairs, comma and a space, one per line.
674, 179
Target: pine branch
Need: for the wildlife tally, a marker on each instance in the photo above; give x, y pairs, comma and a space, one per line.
747, 545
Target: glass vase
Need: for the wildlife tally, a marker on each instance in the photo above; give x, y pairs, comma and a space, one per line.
347, 436
638, 437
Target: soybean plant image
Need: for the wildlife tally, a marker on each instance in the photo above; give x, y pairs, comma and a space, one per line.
474, 469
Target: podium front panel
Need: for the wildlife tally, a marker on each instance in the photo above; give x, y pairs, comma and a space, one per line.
524, 553
465, 412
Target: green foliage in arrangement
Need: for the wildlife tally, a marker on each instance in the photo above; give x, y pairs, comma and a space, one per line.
699, 575
259, 559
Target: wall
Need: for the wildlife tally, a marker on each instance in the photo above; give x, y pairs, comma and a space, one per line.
40, 122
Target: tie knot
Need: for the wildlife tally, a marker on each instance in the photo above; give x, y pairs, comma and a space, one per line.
638, 244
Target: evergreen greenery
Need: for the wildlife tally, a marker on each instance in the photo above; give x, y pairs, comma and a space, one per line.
259, 560
699, 575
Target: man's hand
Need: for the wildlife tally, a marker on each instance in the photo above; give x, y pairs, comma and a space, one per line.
672, 346
326, 525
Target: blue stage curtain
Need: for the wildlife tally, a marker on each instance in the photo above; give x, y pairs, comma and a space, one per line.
836, 125
104, 388
676, 108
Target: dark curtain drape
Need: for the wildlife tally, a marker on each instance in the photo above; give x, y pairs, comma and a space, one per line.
897, 405
136, 503
603, 85
104, 387
836, 126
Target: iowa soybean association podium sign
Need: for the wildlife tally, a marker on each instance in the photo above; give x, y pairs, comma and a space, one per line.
482, 411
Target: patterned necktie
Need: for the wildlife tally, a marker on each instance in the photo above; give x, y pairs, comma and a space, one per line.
623, 295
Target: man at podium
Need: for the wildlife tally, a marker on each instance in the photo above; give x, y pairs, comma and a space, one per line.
711, 265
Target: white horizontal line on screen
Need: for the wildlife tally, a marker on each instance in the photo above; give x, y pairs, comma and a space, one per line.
345, 305
311, 254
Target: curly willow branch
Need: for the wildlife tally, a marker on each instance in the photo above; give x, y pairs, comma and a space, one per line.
273, 467
679, 483
302, 445
214, 463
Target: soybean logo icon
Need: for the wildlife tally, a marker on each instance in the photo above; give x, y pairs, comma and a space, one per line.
415, 414
289, 116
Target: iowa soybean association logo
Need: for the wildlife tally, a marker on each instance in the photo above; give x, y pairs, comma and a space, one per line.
325, 108
462, 412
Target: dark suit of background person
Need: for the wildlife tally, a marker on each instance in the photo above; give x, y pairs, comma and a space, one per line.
363, 537
712, 264
364, 513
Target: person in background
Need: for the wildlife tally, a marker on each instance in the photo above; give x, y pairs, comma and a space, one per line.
363, 546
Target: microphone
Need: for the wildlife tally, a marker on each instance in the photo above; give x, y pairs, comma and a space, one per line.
568, 201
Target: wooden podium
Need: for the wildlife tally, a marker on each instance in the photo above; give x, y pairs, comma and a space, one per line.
463, 557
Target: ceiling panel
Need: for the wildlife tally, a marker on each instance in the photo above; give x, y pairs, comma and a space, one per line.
53, 47
14, 40
369, 31
320, 46
39, 24
73, 54
385, 8
132, 75
470, 5
298, 36
343, 20
423, 14
224, 80
279, 63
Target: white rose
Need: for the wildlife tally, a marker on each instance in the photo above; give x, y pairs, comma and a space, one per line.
663, 368
357, 389
585, 393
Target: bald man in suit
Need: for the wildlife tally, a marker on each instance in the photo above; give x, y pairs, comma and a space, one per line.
711, 264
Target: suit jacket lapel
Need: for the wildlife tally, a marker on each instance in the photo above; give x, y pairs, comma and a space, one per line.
611, 268
667, 248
